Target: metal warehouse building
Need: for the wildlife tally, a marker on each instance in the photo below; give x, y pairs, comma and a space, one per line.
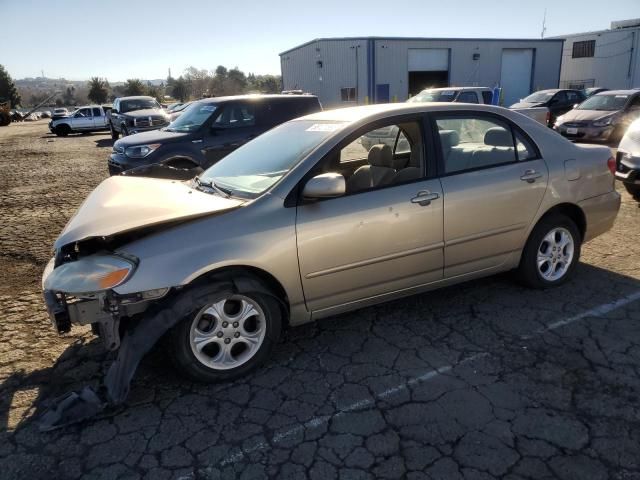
375, 70
608, 58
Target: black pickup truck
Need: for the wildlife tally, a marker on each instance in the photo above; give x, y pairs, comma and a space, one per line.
136, 114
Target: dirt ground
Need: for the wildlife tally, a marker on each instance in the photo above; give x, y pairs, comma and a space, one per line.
481, 380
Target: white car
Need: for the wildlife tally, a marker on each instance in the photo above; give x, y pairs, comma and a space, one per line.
628, 160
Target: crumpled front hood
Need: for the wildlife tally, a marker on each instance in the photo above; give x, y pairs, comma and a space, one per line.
120, 204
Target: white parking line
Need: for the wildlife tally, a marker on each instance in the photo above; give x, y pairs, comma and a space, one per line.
427, 376
598, 311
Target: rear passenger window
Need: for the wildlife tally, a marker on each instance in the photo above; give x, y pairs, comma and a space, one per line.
96, 112
469, 143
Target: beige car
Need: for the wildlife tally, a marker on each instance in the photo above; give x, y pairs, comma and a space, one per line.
304, 222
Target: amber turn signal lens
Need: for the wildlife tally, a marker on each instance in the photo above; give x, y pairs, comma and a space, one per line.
113, 278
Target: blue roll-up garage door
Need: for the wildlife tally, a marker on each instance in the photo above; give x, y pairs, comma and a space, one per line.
515, 75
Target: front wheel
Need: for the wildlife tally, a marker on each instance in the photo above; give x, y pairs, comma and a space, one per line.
551, 253
226, 338
63, 130
114, 133
634, 191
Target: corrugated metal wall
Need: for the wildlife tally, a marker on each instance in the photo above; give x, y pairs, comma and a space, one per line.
389, 57
614, 64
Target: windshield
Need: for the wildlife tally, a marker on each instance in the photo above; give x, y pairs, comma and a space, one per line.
138, 104
256, 166
608, 103
434, 96
192, 118
539, 97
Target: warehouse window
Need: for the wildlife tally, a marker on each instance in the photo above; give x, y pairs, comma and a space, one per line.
584, 49
348, 94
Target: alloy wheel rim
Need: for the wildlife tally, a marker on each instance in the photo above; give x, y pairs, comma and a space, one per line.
228, 333
555, 254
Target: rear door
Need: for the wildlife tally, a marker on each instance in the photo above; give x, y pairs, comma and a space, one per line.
98, 118
492, 189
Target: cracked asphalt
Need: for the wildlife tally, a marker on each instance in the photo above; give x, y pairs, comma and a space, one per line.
481, 380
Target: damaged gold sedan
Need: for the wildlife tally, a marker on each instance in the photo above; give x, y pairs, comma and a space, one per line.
308, 220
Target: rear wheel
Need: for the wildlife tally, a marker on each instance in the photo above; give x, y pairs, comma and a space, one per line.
226, 338
63, 130
634, 190
551, 253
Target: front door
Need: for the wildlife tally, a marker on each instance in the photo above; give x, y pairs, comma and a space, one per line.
234, 126
492, 187
82, 119
383, 235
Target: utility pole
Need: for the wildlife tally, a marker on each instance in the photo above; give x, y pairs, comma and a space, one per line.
356, 47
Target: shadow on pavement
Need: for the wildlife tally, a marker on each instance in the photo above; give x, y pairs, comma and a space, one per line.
511, 310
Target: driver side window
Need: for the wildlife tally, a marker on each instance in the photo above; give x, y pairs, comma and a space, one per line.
233, 116
380, 157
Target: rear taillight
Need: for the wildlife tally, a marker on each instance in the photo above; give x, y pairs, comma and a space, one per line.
548, 118
611, 163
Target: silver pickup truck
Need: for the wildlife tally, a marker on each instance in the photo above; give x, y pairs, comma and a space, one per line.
91, 118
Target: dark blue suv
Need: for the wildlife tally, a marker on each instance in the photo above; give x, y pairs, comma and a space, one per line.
206, 131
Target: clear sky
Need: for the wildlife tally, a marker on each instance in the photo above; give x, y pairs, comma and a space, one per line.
120, 39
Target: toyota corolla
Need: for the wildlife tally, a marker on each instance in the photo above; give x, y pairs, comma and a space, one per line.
304, 222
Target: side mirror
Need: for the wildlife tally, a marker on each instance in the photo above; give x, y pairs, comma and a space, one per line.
327, 185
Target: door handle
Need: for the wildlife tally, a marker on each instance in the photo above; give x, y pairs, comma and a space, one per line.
424, 198
530, 176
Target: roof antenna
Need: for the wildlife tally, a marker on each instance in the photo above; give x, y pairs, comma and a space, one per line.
544, 24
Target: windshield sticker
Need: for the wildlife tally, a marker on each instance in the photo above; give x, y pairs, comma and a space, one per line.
622, 96
208, 108
325, 127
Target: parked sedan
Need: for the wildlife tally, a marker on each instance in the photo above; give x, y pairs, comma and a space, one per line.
557, 101
303, 223
604, 116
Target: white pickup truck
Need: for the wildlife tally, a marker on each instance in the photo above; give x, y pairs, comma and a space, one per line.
91, 118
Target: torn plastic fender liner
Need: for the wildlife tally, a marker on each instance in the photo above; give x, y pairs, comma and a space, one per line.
138, 341
153, 326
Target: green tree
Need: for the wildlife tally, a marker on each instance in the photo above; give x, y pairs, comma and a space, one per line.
134, 86
155, 91
180, 89
69, 95
8, 90
98, 90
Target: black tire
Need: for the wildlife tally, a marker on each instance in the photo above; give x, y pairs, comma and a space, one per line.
63, 130
114, 132
528, 272
186, 361
634, 191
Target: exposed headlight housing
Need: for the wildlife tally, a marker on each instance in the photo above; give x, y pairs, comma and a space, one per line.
94, 273
140, 151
